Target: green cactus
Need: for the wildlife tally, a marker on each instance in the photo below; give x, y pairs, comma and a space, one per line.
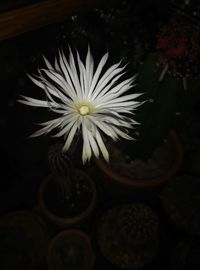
128, 235
62, 170
158, 114
137, 226
71, 253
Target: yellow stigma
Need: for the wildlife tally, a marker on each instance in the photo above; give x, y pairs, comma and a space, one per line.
84, 110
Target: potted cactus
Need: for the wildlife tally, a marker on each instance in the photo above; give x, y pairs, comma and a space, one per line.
128, 235
70, 249
156, 154
73, 191
24, 240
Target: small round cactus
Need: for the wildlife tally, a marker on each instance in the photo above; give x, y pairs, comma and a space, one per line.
137, 225
128, 235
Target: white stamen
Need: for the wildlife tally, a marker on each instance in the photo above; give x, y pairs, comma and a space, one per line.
84, 110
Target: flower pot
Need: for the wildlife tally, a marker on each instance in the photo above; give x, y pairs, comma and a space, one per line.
71, 213
24, 239
128, 235
70, 249
115, 177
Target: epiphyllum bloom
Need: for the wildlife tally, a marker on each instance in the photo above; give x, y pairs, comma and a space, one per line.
86, 100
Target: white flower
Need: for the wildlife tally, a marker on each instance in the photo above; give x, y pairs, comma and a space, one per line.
85, 99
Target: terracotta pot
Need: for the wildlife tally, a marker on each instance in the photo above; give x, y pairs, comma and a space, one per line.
24, 240
71, 220
62, 250
114, 177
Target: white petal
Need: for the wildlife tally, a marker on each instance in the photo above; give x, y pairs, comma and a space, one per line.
49, 66
38, 83
84, 154
115, 106
102, 146
122, 99
65, 130
57, 78
74, 74
106, 78
122, 134
65, 69
83, 77
93, 144
36, 102
97, 74
103, 127
89, 66
48, 128
98, 95
111, 96
57, 67
70, 137
87, 150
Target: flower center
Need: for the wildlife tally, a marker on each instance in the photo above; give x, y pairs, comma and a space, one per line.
84, 110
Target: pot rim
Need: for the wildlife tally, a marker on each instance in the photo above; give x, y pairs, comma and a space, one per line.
147, 182
77, 234
66, 221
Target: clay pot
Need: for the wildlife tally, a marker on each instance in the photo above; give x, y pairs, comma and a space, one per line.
115, 178
24, 240
70, 249
56, 217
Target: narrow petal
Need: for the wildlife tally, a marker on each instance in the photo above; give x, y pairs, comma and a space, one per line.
49, 66
65, 130
107, 77
99, 94
102, 146
87, 150
89, 66
36, 102
46, 129
93, 144
97, 74
70, 137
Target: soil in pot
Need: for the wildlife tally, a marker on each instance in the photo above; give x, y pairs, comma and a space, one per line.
70, 249
164, 162
68, 209
23, 241
181, 203
128, 235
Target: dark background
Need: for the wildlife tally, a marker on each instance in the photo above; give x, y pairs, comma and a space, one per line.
128, 31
